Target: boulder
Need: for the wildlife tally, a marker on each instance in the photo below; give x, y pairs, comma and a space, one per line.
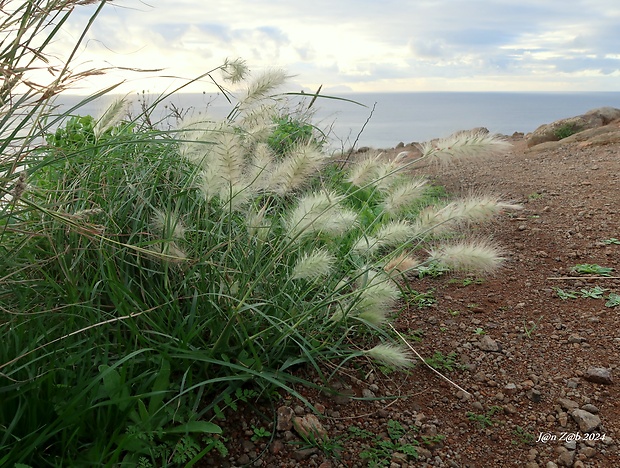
564, 128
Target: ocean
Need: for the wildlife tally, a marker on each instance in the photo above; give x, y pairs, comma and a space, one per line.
382, 120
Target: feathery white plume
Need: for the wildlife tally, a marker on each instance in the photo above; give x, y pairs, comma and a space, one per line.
400, 197
112, 116
468, 256
314, 265
391, 355
465, 145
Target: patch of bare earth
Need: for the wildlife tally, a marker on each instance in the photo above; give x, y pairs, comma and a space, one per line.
523, 353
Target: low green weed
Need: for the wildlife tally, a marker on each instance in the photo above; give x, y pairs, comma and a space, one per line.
484, 420
613, 300
592, 269
595, 292
443, 362
523, 436
566, 130
378, 451
611, 240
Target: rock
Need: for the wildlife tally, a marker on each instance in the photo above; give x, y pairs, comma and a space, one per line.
367, 393
566, 458
510, 389
590, 408
557, 130
243, 459
599, 375
285, 418
309, 427
551, 465
587, 421
487, 343
567, 404
304, 454
534, 395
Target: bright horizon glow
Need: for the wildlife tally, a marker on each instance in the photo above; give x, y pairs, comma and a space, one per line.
358, 46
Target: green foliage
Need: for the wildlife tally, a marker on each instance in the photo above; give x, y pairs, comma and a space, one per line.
523, 436
154, 278
591, 269
613, 300
378, 451
484, 420
443, 362
611, 241
595, 292
566, 130
290, 131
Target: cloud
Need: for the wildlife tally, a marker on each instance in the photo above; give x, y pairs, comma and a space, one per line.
365, 44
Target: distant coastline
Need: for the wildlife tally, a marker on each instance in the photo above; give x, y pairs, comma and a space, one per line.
419, 116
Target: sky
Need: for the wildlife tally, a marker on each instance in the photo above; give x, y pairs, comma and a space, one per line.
357, 45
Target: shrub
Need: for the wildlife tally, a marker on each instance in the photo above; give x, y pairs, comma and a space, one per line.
566, 130
149, 277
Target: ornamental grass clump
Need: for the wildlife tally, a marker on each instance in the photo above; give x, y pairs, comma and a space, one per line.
149, 277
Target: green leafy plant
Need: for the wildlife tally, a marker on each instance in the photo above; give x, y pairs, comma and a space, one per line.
594, 293
480, 331
484, 420
566, 130
591, 269
289, 132
565, 294
422, 300
260, 433
523, 436
611, 240
379, 451
613, 300
443, 362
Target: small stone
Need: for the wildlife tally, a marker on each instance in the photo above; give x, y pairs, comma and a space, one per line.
587, 421
243, 459
276, 447
588, 451
367, 393
567, 404
534, 395
600, 375
489, 344
571, 445
532, 464
573, 382
576, 339
285, 418
566, 458
304, 454
247, 445
563, 418
551, 465
510, 389
309, 427
590, 408
299, 410
579, 464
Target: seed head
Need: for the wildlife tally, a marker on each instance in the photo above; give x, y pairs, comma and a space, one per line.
391, 355
468, 256
314, 265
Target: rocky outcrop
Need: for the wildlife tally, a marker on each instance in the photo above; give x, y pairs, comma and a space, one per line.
575, 127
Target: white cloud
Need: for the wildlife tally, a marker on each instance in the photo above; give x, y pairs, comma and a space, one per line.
365, 45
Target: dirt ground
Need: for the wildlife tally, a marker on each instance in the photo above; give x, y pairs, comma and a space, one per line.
522, 352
